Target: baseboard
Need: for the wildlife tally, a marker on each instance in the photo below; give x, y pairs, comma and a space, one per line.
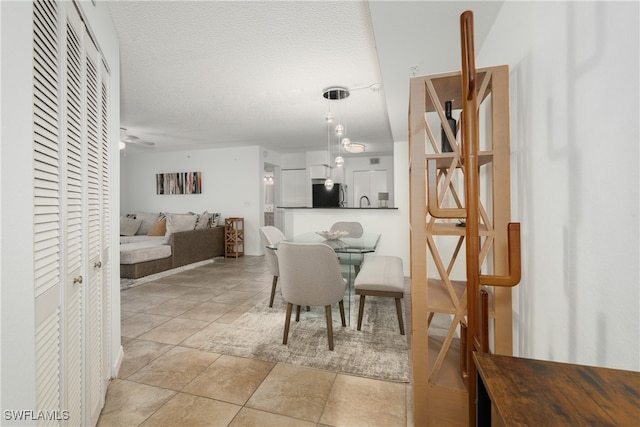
117, 362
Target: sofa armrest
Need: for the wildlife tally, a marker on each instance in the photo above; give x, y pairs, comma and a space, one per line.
196, 245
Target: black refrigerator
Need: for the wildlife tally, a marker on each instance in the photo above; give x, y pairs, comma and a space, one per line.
323, 198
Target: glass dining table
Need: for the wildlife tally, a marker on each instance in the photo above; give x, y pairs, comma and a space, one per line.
350, 251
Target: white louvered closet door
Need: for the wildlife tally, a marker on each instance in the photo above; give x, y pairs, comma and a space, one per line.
74, 224
71, 171
47, 205
105, 219
94, 298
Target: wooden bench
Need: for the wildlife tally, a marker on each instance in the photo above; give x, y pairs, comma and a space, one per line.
381, 276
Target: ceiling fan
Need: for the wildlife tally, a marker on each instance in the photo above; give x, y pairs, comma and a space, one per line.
126, 138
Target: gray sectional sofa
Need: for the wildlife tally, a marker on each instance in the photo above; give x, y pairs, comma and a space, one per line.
187, 238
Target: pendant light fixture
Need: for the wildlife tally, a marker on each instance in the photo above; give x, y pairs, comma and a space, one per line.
336, 93
328, 184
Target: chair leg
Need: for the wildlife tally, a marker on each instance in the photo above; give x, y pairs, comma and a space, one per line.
399, 311
287, 320
360, 311
327, 310
297, 313
273, 290
344, 321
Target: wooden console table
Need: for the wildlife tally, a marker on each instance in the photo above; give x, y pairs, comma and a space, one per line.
514, 391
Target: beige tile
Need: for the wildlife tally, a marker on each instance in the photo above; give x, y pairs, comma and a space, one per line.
138, 353
173, 307
233, 297
182, 277
209, 311
253, 286
230, 379
174, 331
139, 324
263, 297
127, 295
204, 336
126, 314
364, 401
175, 369
188, 410
143, 303
224, 281
248, 417
202, 281
129, 404
163, 289
294, 391
202, 294
234, 314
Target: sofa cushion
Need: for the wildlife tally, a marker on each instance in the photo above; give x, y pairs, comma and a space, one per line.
215, 219
133, 253
129, 226
204, 221
148, 220
157, 240
179, 222
159, 228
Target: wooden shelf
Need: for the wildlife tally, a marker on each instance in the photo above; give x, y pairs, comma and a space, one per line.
452, 229
438, 384
448, 87
234, 237
440, 300
444, 160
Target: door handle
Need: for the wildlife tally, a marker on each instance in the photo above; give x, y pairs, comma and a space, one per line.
77, 280
97, 264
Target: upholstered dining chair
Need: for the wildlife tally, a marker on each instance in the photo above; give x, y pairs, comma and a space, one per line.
355, 230
271, 236
310, 275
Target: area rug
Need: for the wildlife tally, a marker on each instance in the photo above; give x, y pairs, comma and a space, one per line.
377, 351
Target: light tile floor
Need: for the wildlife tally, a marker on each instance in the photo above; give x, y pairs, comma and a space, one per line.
166, 380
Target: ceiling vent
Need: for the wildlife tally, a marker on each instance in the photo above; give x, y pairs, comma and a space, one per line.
374, 161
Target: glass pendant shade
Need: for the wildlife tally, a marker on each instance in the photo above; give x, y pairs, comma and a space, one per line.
339, 161
339, 130
345, 142
328, 184
328, 117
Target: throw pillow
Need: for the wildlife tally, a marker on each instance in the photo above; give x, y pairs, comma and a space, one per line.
129, 226
179, 222
204, 219
215, 218
148, 220
159, 228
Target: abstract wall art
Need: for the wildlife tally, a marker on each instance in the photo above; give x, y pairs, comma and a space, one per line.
179, 183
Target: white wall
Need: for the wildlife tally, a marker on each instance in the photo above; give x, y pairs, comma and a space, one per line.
232, 184
574, 140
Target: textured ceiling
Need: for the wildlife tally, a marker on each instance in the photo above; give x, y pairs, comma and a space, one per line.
197, 74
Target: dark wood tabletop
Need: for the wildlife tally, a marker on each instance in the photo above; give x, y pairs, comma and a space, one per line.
528, 392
